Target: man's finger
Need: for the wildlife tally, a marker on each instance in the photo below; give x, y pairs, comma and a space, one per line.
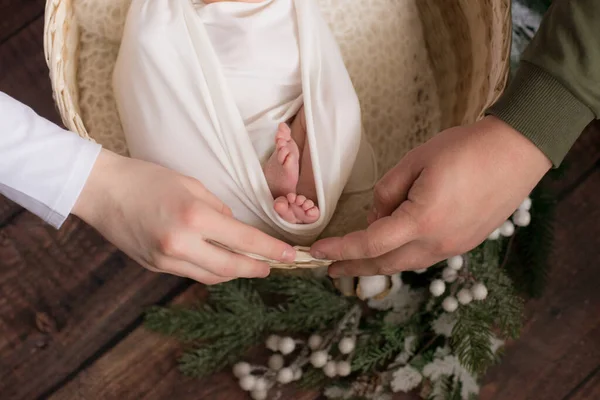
392, 189
379, 238
242, 237
410, 257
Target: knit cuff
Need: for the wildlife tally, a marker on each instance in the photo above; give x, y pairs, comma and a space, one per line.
543, 110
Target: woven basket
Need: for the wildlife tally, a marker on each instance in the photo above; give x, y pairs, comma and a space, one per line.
419, 66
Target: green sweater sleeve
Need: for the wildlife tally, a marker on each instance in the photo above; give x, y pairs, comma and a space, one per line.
556, 90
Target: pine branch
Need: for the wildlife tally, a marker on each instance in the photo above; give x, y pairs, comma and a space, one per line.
314, 379
237, 309
384, 342
453, 389
215, 356
528, 264
503, 306
311, 304
470, 339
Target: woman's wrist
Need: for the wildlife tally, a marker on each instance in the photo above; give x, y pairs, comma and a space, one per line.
96, 190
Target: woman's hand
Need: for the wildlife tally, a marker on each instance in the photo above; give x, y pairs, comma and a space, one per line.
162, 220
442, 199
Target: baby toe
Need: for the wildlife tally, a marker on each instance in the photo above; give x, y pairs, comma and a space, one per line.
281, 204
300, 199
291, 198
283, 132
281, 143
308, 204
282, 154
313, 212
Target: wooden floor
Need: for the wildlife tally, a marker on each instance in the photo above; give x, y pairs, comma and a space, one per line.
70, 304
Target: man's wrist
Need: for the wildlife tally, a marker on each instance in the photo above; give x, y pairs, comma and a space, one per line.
522, 148
543, 110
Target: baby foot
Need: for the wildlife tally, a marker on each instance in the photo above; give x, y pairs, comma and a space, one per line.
297, 209
283, 169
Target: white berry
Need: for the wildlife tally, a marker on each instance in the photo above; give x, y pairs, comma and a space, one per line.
285, 375
450, 304
258, 395
330, 369
319, 358
371, 286
315, 341
421, 271
261, 385
507, 229
347, 345
287, 345
241, 369
495, 235
479, 291
276, 362
248, 383
437, 287
464, 296
526, 204
272, 342
449, 275
521, 218
298, 374
343, 368
456, 262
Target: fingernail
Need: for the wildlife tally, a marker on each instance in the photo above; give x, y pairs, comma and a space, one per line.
289, 255
335, 272
373, 216
317, 254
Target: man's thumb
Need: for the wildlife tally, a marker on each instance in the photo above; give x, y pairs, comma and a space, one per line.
392, 190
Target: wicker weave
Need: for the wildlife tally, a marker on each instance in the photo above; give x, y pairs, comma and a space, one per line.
468, 46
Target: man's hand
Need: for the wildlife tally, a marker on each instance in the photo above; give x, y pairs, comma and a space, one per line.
162, 220
442, 199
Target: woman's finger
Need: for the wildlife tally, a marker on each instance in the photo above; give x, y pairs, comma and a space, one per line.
188, 270
205, 196
242, 237
190, 247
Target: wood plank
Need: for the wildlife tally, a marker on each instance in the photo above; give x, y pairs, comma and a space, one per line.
63, 296
589, 390
8, 210
560, 344
581, 159
16, 14
23, 70
143, 366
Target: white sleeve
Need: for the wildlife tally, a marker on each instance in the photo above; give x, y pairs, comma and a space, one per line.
43, 167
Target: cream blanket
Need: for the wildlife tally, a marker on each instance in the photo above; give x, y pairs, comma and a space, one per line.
201, 90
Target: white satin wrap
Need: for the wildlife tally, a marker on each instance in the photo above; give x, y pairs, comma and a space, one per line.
202, 88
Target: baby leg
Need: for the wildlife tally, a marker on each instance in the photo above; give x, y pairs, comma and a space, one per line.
299, 206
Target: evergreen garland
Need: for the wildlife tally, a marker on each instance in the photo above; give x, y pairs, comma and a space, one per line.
445, 360
236, 318
439, 348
